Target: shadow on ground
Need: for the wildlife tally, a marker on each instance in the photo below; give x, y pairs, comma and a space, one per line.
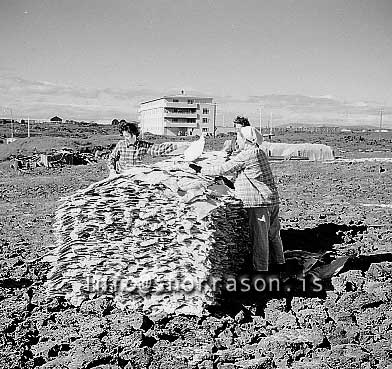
320, 238
310, 264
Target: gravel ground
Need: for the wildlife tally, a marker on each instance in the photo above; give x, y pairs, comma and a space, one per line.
325, 206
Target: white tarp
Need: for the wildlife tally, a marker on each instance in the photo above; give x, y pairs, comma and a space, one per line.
315, 152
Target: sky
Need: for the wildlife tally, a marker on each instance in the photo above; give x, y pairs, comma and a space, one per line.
295, 61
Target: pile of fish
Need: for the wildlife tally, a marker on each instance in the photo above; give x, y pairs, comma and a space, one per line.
159, 239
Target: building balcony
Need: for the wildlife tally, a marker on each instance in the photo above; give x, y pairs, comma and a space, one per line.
171, 124
183, 104
180, 115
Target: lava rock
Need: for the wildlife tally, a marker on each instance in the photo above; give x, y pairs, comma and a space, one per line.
224, 339
341, 332
247, 333
100, 306
381, 272
310, 313
276, 315
206, 364
352, 280
290, 344
136, 358
85, 352
259, 363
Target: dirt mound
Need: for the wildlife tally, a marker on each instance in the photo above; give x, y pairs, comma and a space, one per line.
45, 144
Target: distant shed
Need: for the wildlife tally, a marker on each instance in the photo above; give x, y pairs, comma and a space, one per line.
10, 140
56, 119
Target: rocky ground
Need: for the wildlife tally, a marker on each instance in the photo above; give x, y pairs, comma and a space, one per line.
325, 207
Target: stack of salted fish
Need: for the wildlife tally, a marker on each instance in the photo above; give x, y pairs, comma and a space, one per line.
156, 239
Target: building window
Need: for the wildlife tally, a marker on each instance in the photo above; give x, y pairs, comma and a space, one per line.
190, 101
175, 119
206, 111
205, 120
204, 129
198, 106
175, 100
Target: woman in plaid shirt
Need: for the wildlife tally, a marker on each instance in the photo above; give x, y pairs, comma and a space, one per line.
130, 151
255, 186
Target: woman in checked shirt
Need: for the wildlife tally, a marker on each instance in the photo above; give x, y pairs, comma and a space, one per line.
130, 151
255, 186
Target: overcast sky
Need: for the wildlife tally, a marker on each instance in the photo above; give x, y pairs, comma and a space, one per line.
302, 60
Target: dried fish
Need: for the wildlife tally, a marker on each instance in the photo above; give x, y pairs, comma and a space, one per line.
145, 237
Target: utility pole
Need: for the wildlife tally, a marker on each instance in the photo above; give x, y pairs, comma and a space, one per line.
271, 123
261, 121
214, 127
379, 135
28, 127
268, 124
12, 124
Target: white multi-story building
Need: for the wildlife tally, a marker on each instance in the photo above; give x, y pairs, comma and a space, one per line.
179, 115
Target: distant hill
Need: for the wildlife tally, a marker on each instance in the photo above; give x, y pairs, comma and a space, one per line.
359, 127
362, 127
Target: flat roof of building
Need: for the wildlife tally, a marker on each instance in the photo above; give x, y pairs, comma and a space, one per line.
176, 96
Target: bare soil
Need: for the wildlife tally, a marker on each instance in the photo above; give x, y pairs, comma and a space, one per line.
325, 207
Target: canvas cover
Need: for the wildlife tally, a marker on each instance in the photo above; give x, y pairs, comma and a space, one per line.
314, 152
